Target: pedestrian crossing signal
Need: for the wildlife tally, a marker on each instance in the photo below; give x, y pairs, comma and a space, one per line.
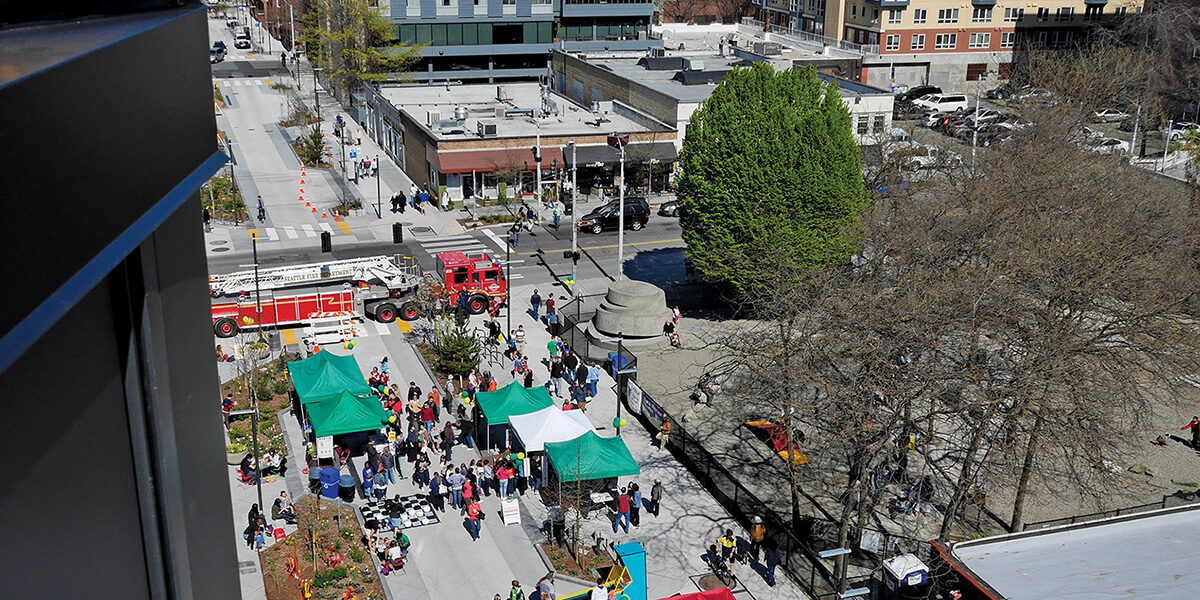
326, 242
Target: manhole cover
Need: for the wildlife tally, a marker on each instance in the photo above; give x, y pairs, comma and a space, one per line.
711, 582
220, 249
421, 230
218, 242
406, 223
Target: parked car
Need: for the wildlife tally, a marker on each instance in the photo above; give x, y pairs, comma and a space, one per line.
216, 55
985, 115
608, 216
219, 44
944, 103
670, 208
242, 43
933, 157
1180, 130
906, 111
1109, 115
1003, 92
231, 23
1108, 146
916, 92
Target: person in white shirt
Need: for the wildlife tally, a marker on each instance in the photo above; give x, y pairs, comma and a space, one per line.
599, 592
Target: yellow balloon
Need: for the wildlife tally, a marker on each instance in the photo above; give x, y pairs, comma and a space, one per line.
392, 419
520, 456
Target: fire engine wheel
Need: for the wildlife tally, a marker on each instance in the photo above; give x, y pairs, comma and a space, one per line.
477, 304
385, 313
597, 228
409, 311
225, 327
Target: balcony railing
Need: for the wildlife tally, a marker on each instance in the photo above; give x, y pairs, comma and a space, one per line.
750, 26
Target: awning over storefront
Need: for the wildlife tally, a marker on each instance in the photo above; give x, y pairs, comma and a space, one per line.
607, 156
500, 159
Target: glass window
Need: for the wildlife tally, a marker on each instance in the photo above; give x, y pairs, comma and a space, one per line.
454, 36
1043, 15
1064, 13
470, 34
980, 40
945, 41
877, 124
424, 34
510, 2
918, 42
545, 32
1008, 39
485, 34
1093, 12
408, 34
920, 16
893, 42
863, 122
445, 2
947, 15
894, 17
854, 10
981, 15
529, 36
439, 34
1012, 15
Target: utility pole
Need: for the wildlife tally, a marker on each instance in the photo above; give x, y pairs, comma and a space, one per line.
253, 395
378, 189
317, 96
537, 160
508, 283
574, 212
619, 142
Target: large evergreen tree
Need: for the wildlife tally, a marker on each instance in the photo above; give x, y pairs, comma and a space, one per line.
769, 165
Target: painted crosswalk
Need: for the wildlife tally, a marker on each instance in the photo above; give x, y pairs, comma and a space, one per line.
292, 232
457, 243
241, 82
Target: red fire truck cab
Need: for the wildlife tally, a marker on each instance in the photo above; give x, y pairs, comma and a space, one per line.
477, 274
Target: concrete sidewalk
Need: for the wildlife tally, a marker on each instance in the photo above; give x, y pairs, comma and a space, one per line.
690, 518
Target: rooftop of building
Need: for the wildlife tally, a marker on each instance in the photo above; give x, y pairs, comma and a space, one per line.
510, 107
1147, 555
793, 45
693, 78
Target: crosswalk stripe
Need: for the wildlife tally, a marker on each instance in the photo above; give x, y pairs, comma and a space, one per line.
495, 238
270, 231
325, 227
308, 230
468, 246
445, 243
382, 328
290, 232
344, 227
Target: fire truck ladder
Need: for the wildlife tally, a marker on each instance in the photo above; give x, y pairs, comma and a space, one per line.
379, 269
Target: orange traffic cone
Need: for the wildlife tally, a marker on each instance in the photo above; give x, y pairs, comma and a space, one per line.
302, 197
314, 209
337, 217
301, 189
323, 214
308, 204
302, 179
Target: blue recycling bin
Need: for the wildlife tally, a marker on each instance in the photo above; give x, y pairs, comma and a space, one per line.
330, 477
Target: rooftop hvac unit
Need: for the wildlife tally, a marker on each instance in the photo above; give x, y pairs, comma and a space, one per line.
768, 48
433, 117
487, 129
502, 94
693, 64
657, 52
460, 113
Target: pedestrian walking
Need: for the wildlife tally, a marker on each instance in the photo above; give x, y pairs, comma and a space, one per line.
545, 587
514, 232
368, 480
473, 511
558, 213
758, 531
774, 557
635, 505
262, 210
535, 304
519, 339
1194, 425
456, 481
516, 593
557, 371
622, 511
656, 494
388, 461
379, 484
412, 195
593, 380
664, 433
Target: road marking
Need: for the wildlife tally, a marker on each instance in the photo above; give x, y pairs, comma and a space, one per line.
309, 231
268, 81
344, 227
270, 231
253, 233
404, 327
382, 328
609, 246
495, 238
289, 337
290, 232
325, 227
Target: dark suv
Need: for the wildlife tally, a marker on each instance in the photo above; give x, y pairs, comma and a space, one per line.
607, 216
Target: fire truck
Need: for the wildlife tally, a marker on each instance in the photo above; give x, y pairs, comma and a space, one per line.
380, 287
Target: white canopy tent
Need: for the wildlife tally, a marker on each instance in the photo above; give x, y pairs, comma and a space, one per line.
550, 424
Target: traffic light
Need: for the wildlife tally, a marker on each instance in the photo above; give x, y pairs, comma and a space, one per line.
574, 256
326, 242
397, 233
537, 157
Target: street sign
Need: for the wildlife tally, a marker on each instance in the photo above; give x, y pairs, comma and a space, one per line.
511, 511
325, 446
354, 153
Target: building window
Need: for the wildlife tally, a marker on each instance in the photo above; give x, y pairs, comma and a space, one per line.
947, 15
981, 15
945, 41
877, 124
893, 17
854, 10
863, 122
1093, 12
445, 2
1008, 39
893, 42
917, 42
1012, 15
510, 2
920, 15
1041, 38
1064, 13
874, 14
1043, 15
1062, 39
1120, 11
980, 40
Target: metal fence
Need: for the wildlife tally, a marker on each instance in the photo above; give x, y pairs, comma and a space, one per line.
1166, 502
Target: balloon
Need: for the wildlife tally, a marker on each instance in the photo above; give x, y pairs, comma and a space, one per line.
247, 320
350, 345
616, 421
624, 422
392, 419
520, 456
463, 395
467, 401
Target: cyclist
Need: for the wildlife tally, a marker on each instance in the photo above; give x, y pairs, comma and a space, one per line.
262, 210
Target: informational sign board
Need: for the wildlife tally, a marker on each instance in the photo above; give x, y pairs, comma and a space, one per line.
511, 511
325, 447
633, 396
354, 153
392, 436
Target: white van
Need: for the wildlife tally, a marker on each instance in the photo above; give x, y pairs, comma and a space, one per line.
241, 39
943, 103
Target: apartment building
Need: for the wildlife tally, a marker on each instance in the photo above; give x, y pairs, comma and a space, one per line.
501, 40
952, 42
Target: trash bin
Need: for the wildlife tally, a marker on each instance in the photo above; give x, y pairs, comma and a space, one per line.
329, 478
346, 488
314, 481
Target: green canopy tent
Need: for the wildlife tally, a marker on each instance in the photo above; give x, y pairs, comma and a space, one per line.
325, 374
590, 456
345, 412
513, 399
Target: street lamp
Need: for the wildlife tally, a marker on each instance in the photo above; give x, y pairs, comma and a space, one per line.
574, 211
317, 96
618, 374
378, 190
619, 142
508, 283
253, 395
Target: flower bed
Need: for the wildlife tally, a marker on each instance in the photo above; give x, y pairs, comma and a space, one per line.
329, 577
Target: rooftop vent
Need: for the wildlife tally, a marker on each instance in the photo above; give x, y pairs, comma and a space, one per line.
487, 129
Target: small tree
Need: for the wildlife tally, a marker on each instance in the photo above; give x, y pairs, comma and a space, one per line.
456, 345
311, 147
354, 44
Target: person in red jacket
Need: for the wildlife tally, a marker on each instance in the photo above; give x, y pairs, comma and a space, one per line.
1194, 425
427, 417
622, 511
473, 510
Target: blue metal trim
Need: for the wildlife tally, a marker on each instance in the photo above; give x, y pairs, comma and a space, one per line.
41, 319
